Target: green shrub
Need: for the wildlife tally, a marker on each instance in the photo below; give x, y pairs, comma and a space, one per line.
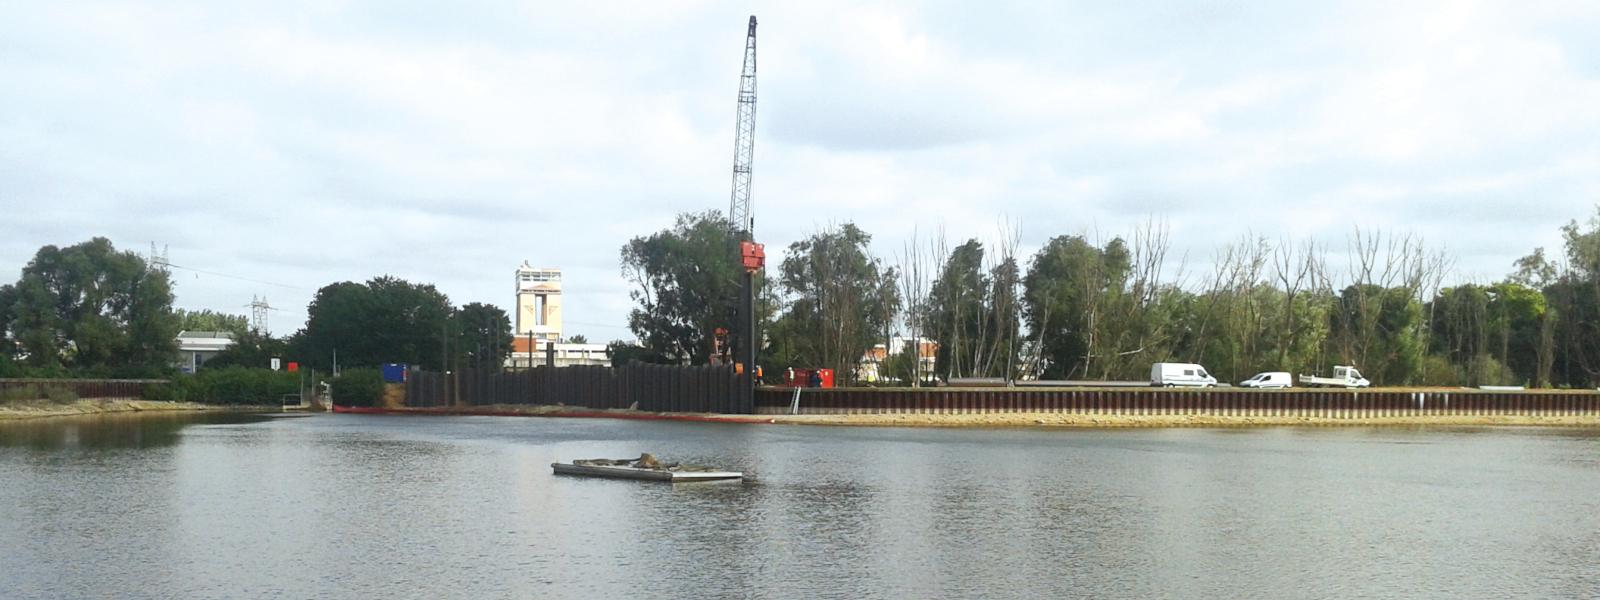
21, 393
233, 385
171, 391
60, 394
358, 387
1485, 370
1438, 372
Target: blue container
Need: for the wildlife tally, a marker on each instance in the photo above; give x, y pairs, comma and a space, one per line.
394, 373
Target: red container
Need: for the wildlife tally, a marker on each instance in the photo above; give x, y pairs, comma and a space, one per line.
802, 378
753, 255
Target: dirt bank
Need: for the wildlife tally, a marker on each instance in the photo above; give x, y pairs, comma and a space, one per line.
1111, 421
41, 409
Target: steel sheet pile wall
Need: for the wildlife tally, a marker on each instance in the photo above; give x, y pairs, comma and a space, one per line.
1337, 404
104, 389
656, 388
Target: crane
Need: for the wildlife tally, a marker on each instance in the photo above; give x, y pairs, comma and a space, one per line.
744, 142
751, 256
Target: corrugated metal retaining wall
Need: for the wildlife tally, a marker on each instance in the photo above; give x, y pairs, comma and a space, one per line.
1352, 404
106, 389
656, 388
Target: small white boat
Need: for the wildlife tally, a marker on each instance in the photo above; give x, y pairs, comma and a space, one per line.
641, 468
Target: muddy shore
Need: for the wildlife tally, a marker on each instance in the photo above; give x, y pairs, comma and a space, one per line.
42, 409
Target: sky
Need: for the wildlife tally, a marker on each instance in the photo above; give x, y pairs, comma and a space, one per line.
273, 148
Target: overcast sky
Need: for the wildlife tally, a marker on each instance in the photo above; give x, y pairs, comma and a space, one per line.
278, 147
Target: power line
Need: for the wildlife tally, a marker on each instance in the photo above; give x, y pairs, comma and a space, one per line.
216, 274
595, 324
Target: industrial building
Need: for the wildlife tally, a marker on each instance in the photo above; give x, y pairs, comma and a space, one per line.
538, 324
197, 347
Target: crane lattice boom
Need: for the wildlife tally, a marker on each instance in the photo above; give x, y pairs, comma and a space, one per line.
744, 141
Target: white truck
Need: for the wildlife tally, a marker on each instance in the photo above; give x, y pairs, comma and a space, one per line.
1343, 376
1269, 380
1180, 374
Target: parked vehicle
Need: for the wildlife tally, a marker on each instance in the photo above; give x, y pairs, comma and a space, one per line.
1269, 380
1180, 374
1343, 376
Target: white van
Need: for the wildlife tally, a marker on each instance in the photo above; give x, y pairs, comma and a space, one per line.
1343, 376
1180, 374
1269, 380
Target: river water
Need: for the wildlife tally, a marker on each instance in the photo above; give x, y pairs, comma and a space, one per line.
348, 506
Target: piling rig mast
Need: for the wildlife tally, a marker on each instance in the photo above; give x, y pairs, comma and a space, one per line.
751, 256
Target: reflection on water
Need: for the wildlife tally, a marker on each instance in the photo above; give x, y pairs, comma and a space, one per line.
111, 430
356, 506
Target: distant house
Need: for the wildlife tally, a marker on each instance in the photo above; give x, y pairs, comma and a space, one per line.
197, 347
869, 369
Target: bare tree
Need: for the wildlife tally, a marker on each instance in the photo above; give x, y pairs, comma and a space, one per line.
1003, 305
914, 281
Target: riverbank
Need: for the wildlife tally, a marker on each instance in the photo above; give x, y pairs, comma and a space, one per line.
1018, 419
41, 409
1078, 420
518, 410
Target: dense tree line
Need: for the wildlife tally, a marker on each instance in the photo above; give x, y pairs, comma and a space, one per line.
833, 300
391, 320
1083, 308
89, 310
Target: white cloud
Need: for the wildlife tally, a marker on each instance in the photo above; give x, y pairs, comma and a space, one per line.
310, 143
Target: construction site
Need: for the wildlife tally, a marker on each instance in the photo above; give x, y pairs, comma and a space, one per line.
733, 384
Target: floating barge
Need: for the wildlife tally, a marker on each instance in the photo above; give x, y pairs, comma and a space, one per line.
631, 469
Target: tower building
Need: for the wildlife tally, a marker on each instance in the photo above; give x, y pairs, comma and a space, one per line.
539, 302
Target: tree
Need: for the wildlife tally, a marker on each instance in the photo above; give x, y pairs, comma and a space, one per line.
1003, 312
89, 306
1068, 287
902, 366
1534, 270
916, 261
252, 349
1516, 314
8, 301
1377, 329
843, 298
483, 336
626, 353
956, 312
687, 280
382, 321
207, 320
1460, 323
578, 339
